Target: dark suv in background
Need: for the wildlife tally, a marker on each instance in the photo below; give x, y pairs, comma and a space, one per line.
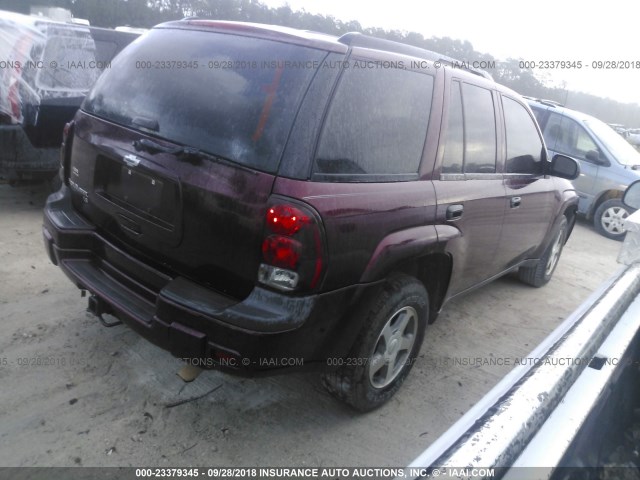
258, 197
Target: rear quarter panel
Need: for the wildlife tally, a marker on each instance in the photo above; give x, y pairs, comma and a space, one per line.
358, 216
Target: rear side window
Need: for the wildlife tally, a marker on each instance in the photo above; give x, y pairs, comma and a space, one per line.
524, 147
470, 145
564, 135
376, 124
227, 95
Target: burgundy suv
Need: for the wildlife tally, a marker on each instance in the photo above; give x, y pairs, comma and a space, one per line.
265, 199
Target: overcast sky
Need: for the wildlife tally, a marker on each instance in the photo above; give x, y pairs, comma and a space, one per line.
534, 30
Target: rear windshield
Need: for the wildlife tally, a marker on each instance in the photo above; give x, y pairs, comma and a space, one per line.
227, 95
74, 54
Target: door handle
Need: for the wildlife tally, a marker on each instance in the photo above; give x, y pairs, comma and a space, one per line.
454, 212
515, 202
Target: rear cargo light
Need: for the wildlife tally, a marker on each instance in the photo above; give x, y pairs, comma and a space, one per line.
292, 250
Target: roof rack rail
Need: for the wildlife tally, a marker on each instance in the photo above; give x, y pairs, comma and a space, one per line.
548, 103
356, 39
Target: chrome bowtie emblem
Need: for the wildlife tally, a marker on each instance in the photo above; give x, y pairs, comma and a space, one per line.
131, 160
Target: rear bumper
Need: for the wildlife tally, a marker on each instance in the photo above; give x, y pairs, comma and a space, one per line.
266, 331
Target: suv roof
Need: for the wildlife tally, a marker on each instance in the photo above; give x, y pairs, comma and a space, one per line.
356, 39
321, 40
258, 30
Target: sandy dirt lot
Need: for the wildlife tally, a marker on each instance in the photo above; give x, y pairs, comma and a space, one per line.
75, 393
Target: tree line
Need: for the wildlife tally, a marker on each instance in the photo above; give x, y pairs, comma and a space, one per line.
147, 13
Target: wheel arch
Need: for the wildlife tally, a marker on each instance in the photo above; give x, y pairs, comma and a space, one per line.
571, 212
420, 253
601, 198
434, 272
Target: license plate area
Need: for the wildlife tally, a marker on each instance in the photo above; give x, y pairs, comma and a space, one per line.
144, 193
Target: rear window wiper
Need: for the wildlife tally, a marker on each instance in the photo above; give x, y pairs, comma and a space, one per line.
183, 153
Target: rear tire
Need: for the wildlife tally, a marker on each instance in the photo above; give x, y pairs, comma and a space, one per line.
540, 273
609, 219
386, 348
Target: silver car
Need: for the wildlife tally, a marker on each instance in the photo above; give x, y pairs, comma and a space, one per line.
608, 163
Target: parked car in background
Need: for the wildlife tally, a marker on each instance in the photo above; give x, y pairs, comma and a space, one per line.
634, 137
289, 199
621, 129
48, 69
608, 163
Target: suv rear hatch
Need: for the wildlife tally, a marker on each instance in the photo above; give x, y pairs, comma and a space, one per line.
174, 152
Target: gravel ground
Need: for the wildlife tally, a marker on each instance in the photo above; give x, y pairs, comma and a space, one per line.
76, 393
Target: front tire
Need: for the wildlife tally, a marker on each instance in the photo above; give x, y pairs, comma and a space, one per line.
386, 349
540, 273
609, 219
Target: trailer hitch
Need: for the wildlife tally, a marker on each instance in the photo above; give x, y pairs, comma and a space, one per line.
99, 308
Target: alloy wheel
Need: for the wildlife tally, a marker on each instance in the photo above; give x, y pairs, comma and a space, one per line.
393, 347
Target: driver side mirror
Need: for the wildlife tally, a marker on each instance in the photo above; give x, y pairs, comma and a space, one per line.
564, 167
595, 157
631, 196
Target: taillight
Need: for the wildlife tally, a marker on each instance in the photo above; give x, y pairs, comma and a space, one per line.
65, 151
281, 251
15, 103
286, 219
292, 250
11, 113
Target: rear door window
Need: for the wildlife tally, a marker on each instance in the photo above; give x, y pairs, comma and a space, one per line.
454, 147
376, 124
470, 145
480, 130
227, 95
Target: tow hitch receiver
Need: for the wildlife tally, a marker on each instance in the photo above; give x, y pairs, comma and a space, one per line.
100, 308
